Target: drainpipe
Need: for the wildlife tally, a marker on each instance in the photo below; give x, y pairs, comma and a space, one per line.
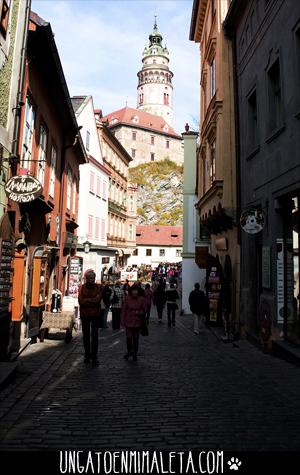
19, 104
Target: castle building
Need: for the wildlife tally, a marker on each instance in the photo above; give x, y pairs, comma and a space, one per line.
146, 132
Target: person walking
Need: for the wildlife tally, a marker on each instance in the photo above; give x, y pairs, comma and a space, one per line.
172, 295
159, 300
89, 299
133, 312
117, 298
105, 304
148, 296
199, 308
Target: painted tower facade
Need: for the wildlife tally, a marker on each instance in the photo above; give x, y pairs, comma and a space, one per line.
155, 87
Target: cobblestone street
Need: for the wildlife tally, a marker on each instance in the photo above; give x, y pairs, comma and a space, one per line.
185, 392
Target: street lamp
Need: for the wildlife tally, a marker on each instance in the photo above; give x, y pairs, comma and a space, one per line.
87, 246
117, 255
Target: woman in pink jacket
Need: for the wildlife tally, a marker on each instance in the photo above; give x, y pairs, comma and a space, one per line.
133, 313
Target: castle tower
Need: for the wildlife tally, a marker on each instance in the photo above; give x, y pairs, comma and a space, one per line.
155, 79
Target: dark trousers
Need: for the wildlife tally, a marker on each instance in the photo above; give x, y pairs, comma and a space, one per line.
171, 314
159, 308
116, 318
132, 340
148, 313
90, 327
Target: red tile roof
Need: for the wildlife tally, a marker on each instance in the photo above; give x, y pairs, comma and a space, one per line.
152, 235
145, 120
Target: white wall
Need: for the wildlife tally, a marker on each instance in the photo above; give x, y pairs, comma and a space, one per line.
93, 260
191, 274
155, 258
90, 203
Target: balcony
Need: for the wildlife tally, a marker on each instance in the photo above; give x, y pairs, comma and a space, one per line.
116, 208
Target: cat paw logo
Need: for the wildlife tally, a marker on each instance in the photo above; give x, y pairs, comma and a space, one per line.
234, 463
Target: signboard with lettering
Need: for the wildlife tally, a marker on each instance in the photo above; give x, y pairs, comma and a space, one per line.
23, 188
75, 276
6, 272
280, 280
131, 276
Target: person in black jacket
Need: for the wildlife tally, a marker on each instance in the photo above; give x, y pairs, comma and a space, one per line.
159, 300
199, 308
172, 296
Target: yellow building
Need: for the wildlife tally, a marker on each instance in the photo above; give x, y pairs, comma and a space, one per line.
216, 173
121, 233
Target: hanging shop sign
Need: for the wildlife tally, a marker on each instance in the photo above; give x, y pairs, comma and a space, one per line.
252, 221
23, 188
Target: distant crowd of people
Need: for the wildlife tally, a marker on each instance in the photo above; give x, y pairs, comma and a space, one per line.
165, 270
130, 304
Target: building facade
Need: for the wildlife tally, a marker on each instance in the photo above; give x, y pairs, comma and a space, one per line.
50, 150
157, 244
268, 78
155, 87
121, 194
146, 137
216, 184
93, 193
191, 267
14, 17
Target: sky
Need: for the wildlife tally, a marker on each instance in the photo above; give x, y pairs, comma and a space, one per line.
100, 43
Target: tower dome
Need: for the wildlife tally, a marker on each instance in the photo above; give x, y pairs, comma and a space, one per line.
154, 90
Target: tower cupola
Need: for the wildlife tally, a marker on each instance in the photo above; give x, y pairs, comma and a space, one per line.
155, 78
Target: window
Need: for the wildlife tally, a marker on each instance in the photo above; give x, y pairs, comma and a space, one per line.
52, 171
167, 143
135, 252
178, 252
42, 154
212, 173
148, 252
213, 78
69, 188
92, 182
4, 16
252, 120
152, 139
28, 134
90, 226
130, 232
133, 153
74, 201
275, 97
131, 204
162, 253
104, 190
204, 97
97, 228
103, 230
203, 175
133, 135
98, 191
87, 140
152, 156
213, 9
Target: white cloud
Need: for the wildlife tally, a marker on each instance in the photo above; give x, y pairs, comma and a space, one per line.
101, 42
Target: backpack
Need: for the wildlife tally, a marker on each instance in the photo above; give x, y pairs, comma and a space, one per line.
115, 298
